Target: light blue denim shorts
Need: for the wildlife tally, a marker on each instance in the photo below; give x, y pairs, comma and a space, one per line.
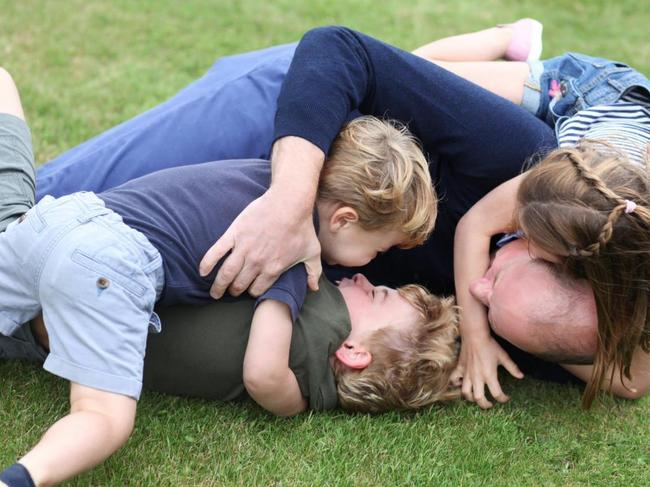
96, 281
560, 87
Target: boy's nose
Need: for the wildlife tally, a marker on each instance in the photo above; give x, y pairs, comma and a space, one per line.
481, 289
360, 280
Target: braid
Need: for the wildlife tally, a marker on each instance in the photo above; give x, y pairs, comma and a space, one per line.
598, 185
591, 208
590, 177
605, 232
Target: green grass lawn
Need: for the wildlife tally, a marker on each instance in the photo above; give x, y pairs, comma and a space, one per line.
84, 66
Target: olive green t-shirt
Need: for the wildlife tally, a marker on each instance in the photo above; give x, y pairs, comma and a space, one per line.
16, 169
200, 351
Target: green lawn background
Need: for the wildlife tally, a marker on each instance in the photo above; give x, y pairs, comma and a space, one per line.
84, 66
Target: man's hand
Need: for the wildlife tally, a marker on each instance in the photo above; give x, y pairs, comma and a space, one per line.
266, 239
477, 367
274, 232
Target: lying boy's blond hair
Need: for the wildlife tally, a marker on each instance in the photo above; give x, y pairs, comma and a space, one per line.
410, 368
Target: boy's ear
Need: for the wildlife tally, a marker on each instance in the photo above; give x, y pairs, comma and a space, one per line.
353, 355
342, 216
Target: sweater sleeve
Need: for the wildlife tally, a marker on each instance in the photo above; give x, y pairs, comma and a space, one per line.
336, 70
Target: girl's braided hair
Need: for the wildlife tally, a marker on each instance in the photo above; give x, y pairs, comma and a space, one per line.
589, 205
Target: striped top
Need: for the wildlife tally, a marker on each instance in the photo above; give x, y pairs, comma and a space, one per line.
625, 125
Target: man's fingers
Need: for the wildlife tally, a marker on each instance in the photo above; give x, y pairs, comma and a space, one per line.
215, 254
314, 270
261, 284
227, 273
242, 282
250, 273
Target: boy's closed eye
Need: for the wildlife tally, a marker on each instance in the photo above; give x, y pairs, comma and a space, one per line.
378, 294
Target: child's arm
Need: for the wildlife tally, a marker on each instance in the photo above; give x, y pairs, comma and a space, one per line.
480, 354
99, 423
267, 376
634, 389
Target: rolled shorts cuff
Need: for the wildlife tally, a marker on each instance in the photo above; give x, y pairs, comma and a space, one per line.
532, 98
93, 378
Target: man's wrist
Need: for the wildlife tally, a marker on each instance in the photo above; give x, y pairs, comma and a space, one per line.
296, 165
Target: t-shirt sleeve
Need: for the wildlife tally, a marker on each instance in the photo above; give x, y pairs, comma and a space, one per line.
336, 70
290, 288
16, 169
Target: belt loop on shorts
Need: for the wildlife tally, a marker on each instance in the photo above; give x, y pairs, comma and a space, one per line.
90, 211
90, 214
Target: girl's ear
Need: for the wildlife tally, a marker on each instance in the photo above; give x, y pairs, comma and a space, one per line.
343, 216
353, 355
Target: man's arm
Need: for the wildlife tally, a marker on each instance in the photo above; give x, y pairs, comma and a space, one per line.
634, 389
274, 232
267, 376
336, 70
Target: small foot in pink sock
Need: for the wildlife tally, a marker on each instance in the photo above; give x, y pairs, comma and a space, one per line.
526, 42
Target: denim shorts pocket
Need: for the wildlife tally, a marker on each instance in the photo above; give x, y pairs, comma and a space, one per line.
93, 264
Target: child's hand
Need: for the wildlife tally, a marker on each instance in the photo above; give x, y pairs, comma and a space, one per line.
480, 355
477, 367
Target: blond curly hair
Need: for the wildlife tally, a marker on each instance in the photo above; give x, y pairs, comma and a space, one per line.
410, 368
377, 168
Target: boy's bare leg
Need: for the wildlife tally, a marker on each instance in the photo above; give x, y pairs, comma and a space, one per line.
474, 57
503, 78
99, 423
